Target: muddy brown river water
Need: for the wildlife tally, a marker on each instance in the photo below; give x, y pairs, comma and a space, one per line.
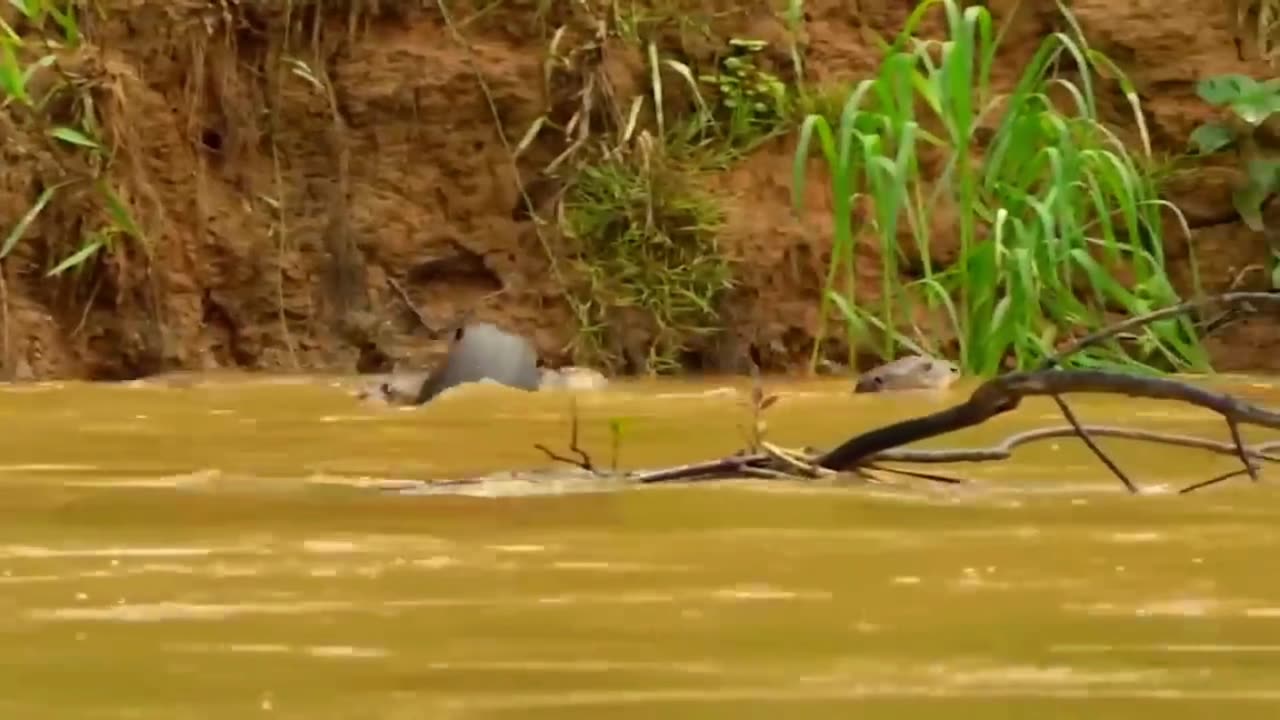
224, 549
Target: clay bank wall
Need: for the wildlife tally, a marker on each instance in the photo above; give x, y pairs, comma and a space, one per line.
326, 186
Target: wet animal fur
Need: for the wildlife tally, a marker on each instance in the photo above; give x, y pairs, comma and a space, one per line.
480, 351
913, 372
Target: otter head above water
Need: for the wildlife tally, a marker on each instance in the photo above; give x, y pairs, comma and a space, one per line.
913, 372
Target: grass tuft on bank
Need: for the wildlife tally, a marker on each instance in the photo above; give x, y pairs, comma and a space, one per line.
638, 222
49, 92
643, 234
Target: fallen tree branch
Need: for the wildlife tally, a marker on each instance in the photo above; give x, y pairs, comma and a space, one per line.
1004, 393
1004, 449
1000, 395
1235, 302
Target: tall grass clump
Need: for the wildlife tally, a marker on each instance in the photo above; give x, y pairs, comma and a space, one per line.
644, 271
644, 246
1045, 199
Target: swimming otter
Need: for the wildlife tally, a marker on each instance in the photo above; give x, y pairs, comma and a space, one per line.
480, 351
913, 372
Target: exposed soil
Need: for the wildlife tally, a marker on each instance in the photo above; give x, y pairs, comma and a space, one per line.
285, 230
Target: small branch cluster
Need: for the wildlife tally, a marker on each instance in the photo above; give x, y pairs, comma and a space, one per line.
583, 460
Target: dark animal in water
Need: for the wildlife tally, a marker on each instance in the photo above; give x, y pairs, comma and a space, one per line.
913, 372
480, 351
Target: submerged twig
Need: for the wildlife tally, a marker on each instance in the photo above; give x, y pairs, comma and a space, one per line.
758, 402
1249, 467
794, 461
918, 474
584, 460
1088, 441
1211, 481
1004, 449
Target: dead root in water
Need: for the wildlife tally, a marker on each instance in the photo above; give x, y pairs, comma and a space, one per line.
867, 451
584, 460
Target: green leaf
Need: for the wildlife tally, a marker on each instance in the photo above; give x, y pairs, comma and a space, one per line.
1256, 107
1265, 174
11, 75
1248, 202
1251, 100
78, 258
44, 62
1211, 137
9, 33
748, 44
75, 137
1264, 180
26, 7
21, 228
1225, 89
119, 212
67, 21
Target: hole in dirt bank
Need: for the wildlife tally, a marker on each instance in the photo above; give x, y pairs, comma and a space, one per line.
462, 268
218, 322
211, 140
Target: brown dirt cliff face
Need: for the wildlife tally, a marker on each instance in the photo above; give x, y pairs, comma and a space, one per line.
294, 210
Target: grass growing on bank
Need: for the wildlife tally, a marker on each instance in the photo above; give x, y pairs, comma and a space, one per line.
1046, 200
38, 92
645, 241
643, 223
640, 225
642, 229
